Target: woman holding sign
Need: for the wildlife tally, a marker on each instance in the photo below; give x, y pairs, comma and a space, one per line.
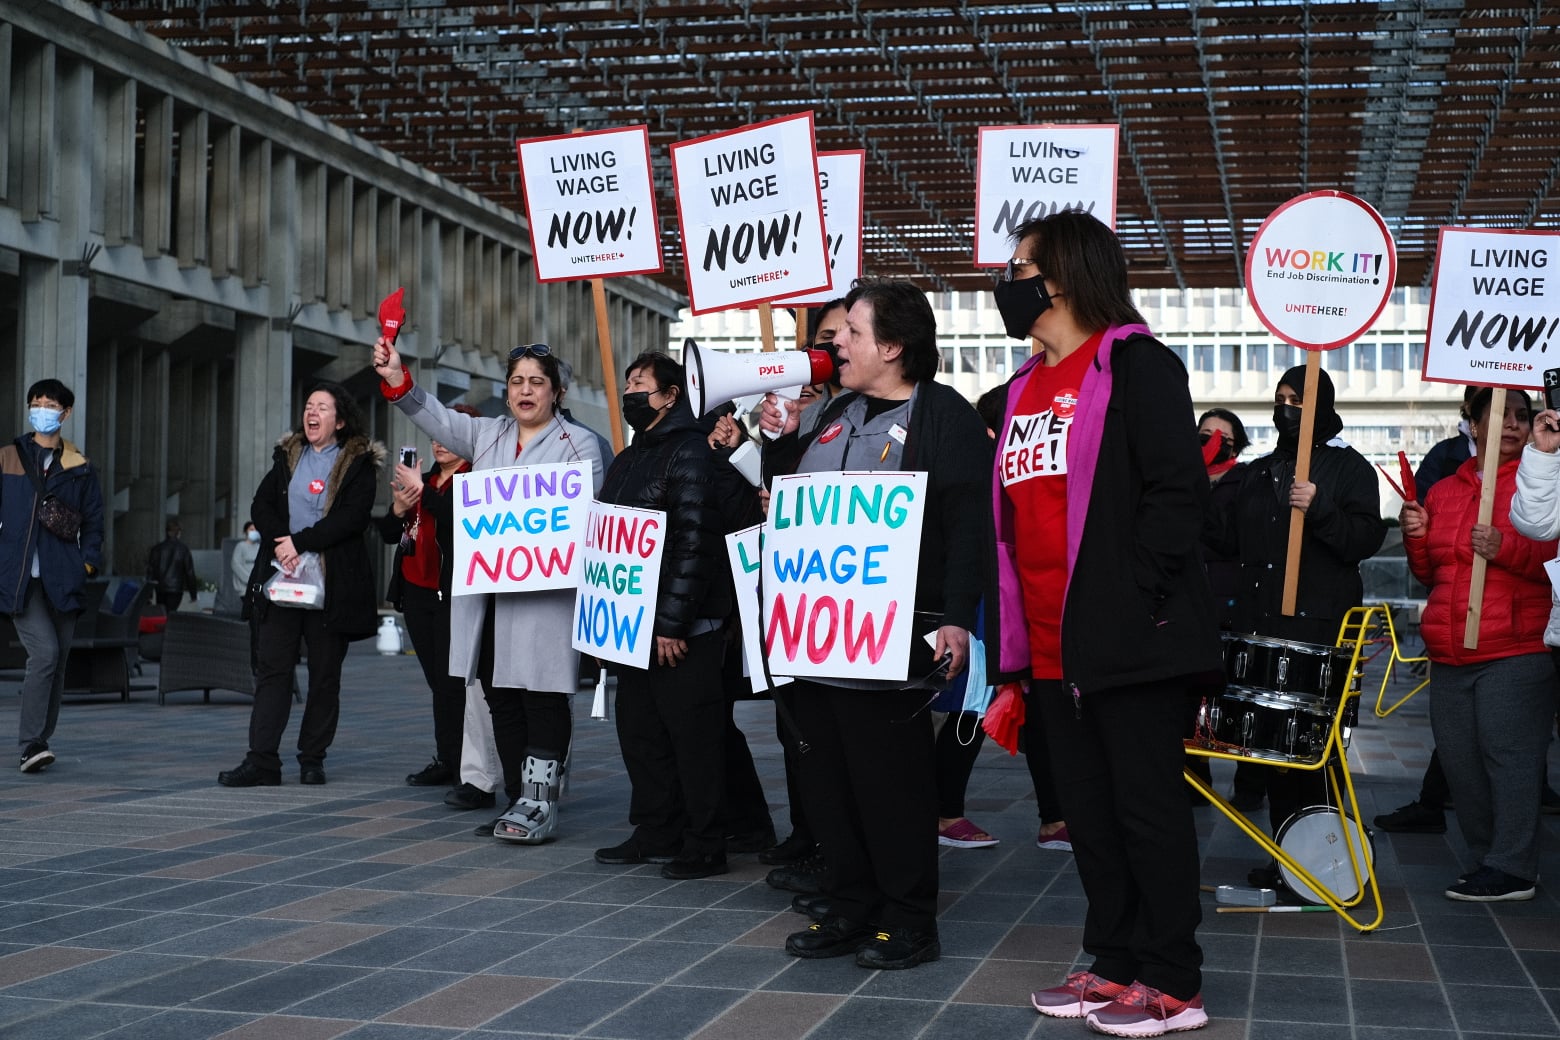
518, 643
1099, 491
1491, 706
869, 779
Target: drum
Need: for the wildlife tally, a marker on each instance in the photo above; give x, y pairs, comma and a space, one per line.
1287, 666
1315, 839
1265, 724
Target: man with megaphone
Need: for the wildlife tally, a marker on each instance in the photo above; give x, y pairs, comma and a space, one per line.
868, 780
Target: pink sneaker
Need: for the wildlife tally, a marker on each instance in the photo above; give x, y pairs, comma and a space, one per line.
1082, 993
962, 834
1145, 1011
1060, 840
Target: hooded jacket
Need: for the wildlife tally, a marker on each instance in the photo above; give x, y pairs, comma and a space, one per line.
1136, 607
670, 467
62, 565
351, 607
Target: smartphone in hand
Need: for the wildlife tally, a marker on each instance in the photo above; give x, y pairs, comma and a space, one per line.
1552, 389
409, 457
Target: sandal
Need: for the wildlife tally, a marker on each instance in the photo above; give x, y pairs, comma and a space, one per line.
962, 834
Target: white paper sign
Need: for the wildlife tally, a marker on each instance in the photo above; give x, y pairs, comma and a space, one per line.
517, 529
842, 182
614, 609
839, 565
1320, 269
1023, 172
1493, 308
751, 215
590, 202
742, 550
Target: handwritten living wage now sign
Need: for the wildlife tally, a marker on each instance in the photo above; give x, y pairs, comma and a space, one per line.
840, 553
516, 529
1023, 172
614, 607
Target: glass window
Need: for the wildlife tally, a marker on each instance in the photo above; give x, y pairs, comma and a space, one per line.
1256, 357
1229, 357
1392, 357
996, 361
1365, 357
1020, 355
969, 359
1202, 357
1179, 350
1416, 356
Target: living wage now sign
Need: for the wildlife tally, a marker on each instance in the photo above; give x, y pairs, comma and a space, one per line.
839, 570
1024, 172
516, 528
1494, 308
751, 214
614, 609
590, 204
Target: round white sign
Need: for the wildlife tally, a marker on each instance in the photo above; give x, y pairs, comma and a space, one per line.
1320, 269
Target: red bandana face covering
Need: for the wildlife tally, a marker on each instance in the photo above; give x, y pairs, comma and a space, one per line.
1210, 451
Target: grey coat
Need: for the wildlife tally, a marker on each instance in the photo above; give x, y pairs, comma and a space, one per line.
533, 631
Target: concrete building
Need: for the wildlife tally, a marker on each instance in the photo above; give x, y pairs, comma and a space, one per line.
189, 253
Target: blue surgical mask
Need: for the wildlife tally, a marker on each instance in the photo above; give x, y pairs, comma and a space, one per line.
254, 536
44, 420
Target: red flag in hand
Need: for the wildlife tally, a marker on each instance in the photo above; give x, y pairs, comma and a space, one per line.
392, 314
1406, 490
1005, 716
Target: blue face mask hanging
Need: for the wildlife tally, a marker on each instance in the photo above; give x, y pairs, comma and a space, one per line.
977, 693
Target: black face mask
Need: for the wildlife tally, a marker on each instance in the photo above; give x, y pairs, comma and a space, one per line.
1286, 419
638, 412
1021, 302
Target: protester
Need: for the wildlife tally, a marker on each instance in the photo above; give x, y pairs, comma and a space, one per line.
1101, 601
824, 323
170, 569
868, 779
671, 714
420, 523
1491, 705
242, 562
1223, 438
1341, 505
46, 556
517, 644
318, 497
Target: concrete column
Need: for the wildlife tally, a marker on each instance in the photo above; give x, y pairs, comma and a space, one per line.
157, 178
33, 155
339, 233
5, 106
227, 200
193, 247
311, 218
453, 296
365, 291
115, 142
254, 234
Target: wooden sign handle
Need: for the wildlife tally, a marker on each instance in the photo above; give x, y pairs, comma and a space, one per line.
598, 292
766, 325
1313, 370
1489, 465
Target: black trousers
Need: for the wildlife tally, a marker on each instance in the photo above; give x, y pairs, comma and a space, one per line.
428, 622
871, 795
277, 641
671, 725
1117, 756
525, 722
791, 757
745, 811
170, 600
1037, 756
958, 746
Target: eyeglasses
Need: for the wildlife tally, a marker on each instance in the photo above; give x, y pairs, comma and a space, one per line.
530, 350
1011, 270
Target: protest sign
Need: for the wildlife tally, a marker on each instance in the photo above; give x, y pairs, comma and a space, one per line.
839, 570
1023, 172
1493, 308
590, 203
614, 608
751, 214
517, 529
742, 551
841, 182
1320, 269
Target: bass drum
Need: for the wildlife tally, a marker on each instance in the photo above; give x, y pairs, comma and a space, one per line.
1315, 839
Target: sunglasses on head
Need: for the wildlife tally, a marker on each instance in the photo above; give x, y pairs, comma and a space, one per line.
530, 350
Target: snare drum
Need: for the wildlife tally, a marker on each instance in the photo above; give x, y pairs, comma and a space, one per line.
1287, 666
1266, 724
1315, 839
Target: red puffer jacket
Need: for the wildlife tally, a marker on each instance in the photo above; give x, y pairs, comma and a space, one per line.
1516, 589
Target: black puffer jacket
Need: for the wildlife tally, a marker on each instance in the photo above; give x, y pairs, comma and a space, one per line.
670, 467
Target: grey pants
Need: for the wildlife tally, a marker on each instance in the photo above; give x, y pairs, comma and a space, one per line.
45, 635
1491, 723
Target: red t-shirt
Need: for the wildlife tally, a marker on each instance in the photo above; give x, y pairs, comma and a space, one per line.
421, 568
1033, 468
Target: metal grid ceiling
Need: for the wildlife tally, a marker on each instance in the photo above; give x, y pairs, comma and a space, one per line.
1436, 112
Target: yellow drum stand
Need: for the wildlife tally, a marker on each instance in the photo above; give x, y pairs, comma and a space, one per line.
1393, 661
1352, 633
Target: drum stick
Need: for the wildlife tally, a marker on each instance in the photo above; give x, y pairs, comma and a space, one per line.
1489, 463
1271, 909
1313, 370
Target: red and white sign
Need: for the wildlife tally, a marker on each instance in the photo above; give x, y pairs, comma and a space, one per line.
751, 214
1493, 310
1023, 172
590, 202
842, 183
1320, 269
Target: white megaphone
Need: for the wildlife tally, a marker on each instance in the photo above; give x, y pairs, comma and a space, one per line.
715, 377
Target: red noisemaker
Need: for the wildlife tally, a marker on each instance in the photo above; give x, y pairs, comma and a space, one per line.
392, 314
